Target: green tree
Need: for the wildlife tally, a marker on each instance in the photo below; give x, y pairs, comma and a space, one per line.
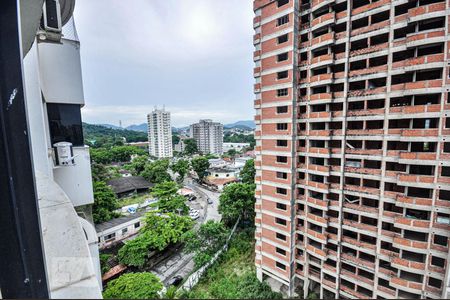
165, 190
181, 167
105, 203
134, 286
206, 241
200, 165
168, 199
137, 165
156, 172
248, 172
237, 199
175, 204
99, 172
190, 147
159, 231
232, 152
114, 154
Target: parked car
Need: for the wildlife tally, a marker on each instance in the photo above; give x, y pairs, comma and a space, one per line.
210, 201
176, 280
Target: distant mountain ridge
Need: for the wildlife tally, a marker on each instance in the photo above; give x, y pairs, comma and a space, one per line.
244, 124
241, 124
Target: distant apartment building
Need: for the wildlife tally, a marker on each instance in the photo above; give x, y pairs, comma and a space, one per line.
353, 147
208, 135
159, 134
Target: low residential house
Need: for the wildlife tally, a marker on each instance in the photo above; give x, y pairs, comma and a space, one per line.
239, 162
217, 163
219, 177
127, 186
119, 229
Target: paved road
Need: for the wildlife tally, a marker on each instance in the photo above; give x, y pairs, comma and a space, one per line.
182, 263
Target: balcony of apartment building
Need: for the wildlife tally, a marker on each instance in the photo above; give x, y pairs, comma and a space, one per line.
360, 223
374, 42
411, 240
409, 282
408, 153
418, 10
415, 105
419, 58
361, 89
359, 204
417, 82
359, 241
368, 67
417, 128
355, 148
359, 184
323, 148
352, 290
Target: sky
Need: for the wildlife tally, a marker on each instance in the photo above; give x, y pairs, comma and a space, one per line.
192, 56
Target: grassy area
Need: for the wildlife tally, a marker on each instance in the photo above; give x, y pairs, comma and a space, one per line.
137, 199
233, 276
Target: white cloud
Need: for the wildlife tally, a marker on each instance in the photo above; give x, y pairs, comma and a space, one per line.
194, 56
136, 114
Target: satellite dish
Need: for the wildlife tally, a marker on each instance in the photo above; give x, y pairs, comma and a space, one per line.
30, 18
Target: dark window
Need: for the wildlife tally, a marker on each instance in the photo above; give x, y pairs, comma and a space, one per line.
281, 206
282, 75
282, 2
281, 175
280, 265
282, 109
283, 38
282, 159
282, 126
282, 57
280, 221
283, 20
281, 236
65, 123
281, 191
110, 237
282, 92
280, 251
282, 143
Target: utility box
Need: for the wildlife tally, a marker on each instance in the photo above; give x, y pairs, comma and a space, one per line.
64, 154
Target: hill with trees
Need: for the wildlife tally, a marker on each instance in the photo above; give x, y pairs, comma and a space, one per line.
100, 136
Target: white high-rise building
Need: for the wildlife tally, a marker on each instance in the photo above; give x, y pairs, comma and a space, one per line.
208, 135
159, 134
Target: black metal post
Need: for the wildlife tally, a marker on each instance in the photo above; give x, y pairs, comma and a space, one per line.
22, 268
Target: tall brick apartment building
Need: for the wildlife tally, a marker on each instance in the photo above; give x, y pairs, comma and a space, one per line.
353, 146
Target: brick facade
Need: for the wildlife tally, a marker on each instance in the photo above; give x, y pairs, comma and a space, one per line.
353, 147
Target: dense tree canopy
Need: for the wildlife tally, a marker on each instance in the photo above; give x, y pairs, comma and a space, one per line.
114, 154
190, 147
100, 136
159, 231
134, 286
237, 199
248, 173
239, 138
156, 172
105, 203
137, 165
200, 165
168, 199
181, 167
206, 241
